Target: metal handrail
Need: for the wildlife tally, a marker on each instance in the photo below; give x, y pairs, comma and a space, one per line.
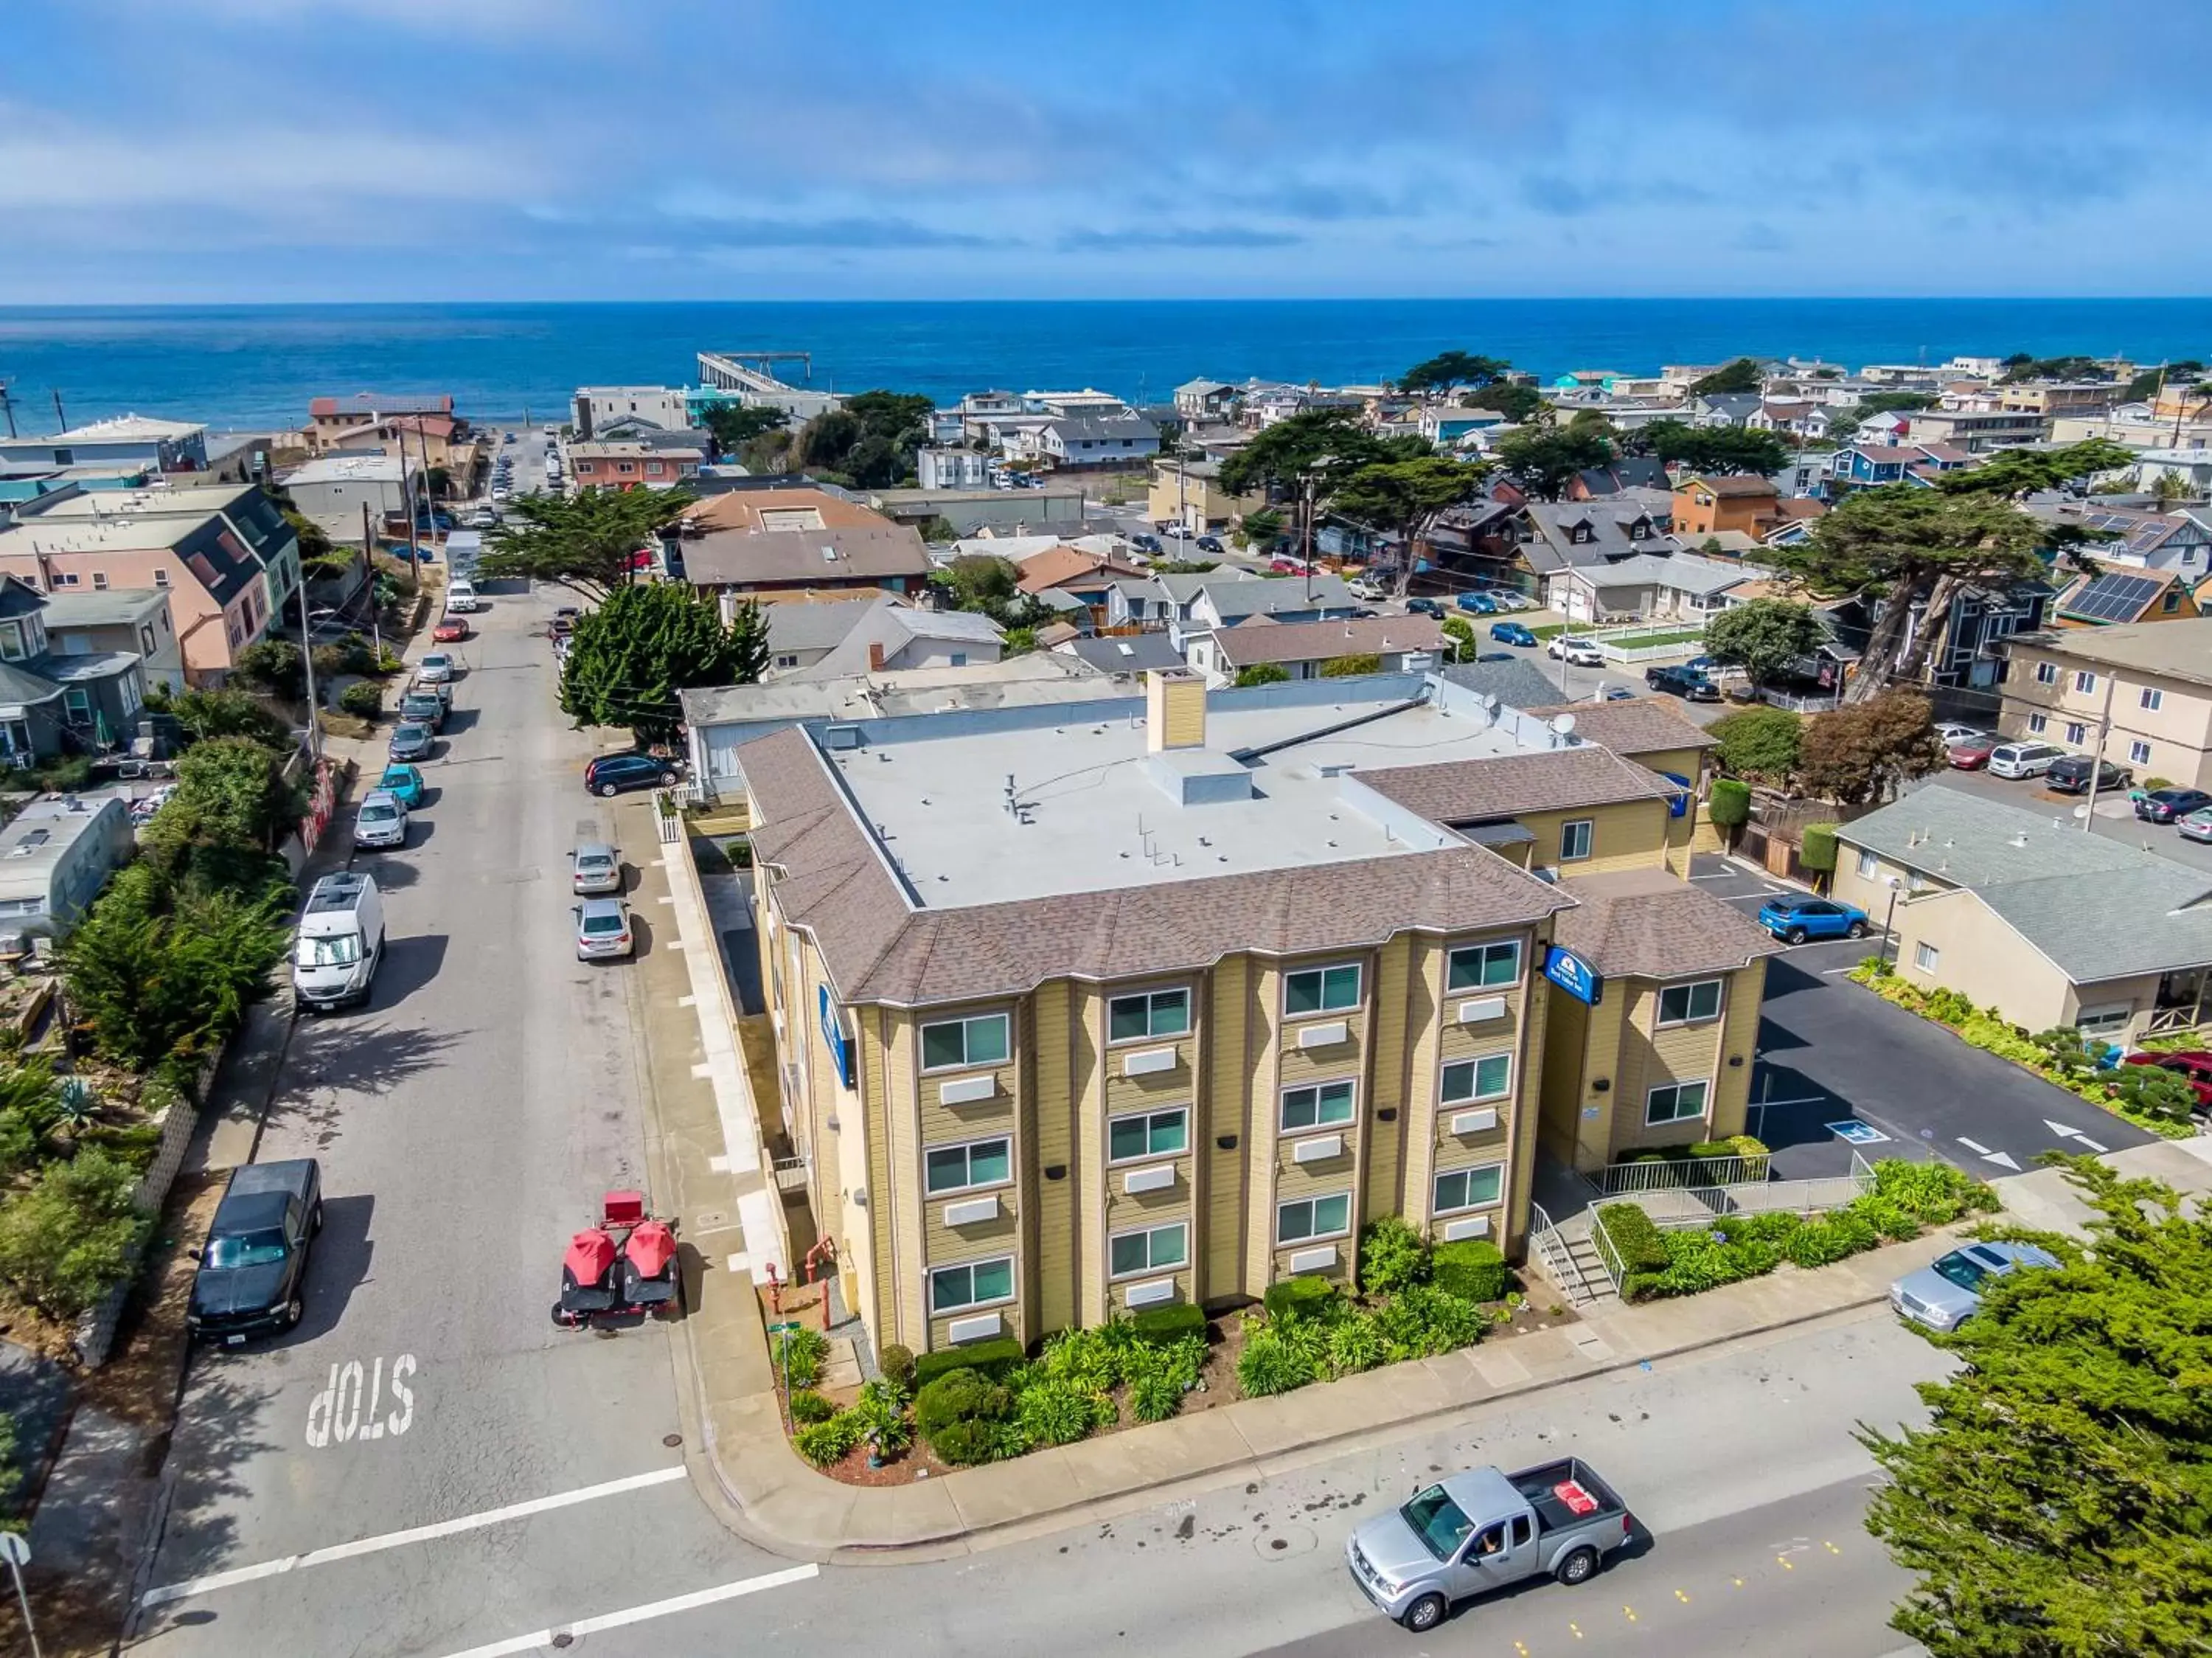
1558, 1259
1681, 1174
1607, 1256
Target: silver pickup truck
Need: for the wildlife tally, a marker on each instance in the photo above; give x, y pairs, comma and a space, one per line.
1481, 1530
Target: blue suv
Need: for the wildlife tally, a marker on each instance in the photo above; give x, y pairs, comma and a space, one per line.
1801, 916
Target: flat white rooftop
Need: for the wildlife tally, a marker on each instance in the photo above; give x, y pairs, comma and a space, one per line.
1097, 811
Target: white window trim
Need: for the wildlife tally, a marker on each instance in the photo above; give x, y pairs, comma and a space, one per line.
2046, 674
1589, 839
1480, 951
1868, 863
2038, 723
2151, 699
921, 1038
1323, 971
1145, 1117
931, 1191
1151, 1267
1189, 1005
1436, 1209
2076, 731
1473, 1062
1344, 1231
1933, 954
1675, 1087
2139, 752
2084, 680
1319, 1125
1720, 1004
1013, 1290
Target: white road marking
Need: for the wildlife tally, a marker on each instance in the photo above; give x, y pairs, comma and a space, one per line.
2003, 1159
703, 1071
2062, 1131
740, 1263
2090, 1143
350, 1404
1830, 973
1973, 1145
467, 1523
607, 1620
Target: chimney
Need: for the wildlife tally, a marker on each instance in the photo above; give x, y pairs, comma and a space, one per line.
1175, 709
875, 656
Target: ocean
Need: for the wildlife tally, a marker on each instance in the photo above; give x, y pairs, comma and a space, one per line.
248, 366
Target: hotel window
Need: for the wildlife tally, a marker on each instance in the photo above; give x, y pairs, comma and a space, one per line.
1156, 1013
2139, 752
2046, 674
2077, 732
965, 1167
1690, 1004
1468, 1188
1926, 958
653, 469
972, 1283
2084, 679
2038, 723
1153, 1250
1867, 864
1490, 1078
2154, 700
1483, 966
1305, 1218
787, 660
1148, 1134
1674, 1102
1575, 840
1322, 1104
626, 468
1321, 990
978, 1041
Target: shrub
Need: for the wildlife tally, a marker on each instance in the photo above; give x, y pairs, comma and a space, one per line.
959, 1396
1165, 1327
1356, 1344
898, 1363
2153, 784
1748, 1145
1728, 806
1154, 1398
2155, 1093
1087, 1360
965, 1442
1816, 848
1428, 1319
1634, 1237
1308, 1296
1820, 1243
1936, 1193
1392, 1255
824, 1442
987, 1358
881, 1415
1054, 1412
272, 665
364, 699
1275, 1360
1471, 1268
67, 1238
808, 1407
799, 1355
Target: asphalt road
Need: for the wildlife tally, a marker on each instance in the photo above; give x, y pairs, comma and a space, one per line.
1832, 1052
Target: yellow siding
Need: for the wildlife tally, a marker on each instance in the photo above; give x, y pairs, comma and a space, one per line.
1262, 1007
1087, 1169
1566, 1058
903, 1120
1052, 1245
1603, 1031
1527, 1091
875, 1081
1396, 1012
1225, 1114
1427, 1005
1739, 1039
1629, 836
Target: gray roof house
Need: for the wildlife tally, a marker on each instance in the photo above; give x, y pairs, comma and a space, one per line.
1126, 653
53, 702
859, 636
1723, 408
1647, 586
2022, 911
1561, 534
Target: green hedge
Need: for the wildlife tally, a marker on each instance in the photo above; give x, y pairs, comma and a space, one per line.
1728, 806
1472, 1268
1164, 1326
1635, 1237
1817, 848
988, 1358
1309, 1297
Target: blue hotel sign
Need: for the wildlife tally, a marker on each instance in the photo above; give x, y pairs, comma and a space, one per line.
1574, 975
833, 1033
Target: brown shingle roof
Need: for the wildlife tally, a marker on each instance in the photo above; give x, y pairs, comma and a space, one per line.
1468, 791
1634, 725
1307, 642
881, 948
742, 509
1734, 485
1647, 924
1059, 566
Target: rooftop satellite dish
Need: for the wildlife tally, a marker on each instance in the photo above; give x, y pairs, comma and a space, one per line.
1563, 724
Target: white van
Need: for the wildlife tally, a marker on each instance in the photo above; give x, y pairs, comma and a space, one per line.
341, 942
2023, 759
461, 597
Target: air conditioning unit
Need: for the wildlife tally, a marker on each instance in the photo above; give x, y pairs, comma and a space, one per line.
1480, 1120
1481, 1009
1314, 1260
1147, 1061
1324, 1036
1318, 1148
981, 1327
972, 1211
1159, 1178
1468, 1226
967, 1090
1150, 1293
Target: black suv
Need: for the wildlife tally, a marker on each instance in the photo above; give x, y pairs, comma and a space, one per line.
2070, 776
611, 774
1684, 682
253, 1269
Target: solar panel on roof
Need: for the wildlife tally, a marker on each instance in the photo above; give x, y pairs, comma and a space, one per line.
2113, 598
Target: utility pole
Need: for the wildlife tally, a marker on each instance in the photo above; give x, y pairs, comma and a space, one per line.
60, 413
8, 408
308, 660
2097, 756
1306, 514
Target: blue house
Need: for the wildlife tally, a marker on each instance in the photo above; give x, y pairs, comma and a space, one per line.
126, 440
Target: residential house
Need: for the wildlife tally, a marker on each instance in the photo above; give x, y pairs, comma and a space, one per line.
2108, 597
331, 420
983, 404
1205, 399
2050, 398
661, 460
1970, 651
1723, 408
1559, 535
1880, 430
128, 441
334, 486
1863, 466
1189, 493
55, 856
53, 703
801, 635
892, 636
1447, 427
1122, 654
1705, 504
1641, 471
1043, 1068
1076, 442
1216, 601
1976, 433
1400, 644
970, 512
121, 621
1089, 404
2192, 465
1648, 588
1087, 577
1798, 419
2147, 684
593, 406
2131, 537
2023, 913
953, 469
792, 542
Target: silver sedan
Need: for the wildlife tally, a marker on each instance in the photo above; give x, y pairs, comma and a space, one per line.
602, 931
595, 867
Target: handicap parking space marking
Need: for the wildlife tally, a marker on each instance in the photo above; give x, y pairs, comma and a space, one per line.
1854, 1132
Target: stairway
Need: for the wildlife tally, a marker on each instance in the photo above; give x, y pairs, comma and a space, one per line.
1572, 1262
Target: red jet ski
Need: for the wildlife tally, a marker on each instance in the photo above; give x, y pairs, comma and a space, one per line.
627, 1266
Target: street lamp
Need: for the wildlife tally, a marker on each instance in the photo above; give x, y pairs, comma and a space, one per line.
1888, 934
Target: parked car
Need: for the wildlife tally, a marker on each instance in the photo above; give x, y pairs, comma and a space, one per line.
2196, 826
1681, 682
403, 784
1145, 543
1707, 666
1287, 566
602, 931
1507, 598
1512, 633
451, 630
612, 774
1946, 1292
410, 740
461, 598
252, 1273
339, 944
1952, 733
1366, 587
595, 867
1480, 603
436, 668
380, 822
1578, 653
1795, 917
2194, 1065
1212, 544
2070, 776
1176, 532
424, 706
1497, 656
2023, 759
1474, 1533
1424, 608
2166, 805
1970, 754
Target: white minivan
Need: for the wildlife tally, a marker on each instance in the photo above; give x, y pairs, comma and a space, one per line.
461, 597
340, 943
2023, 759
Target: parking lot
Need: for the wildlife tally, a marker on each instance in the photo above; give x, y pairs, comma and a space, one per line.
1830, 1052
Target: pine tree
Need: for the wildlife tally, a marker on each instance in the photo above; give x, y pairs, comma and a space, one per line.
629, 658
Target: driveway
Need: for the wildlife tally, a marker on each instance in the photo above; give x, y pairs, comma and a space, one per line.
1831, 1051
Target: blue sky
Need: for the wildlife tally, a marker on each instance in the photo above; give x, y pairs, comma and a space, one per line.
276, 150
